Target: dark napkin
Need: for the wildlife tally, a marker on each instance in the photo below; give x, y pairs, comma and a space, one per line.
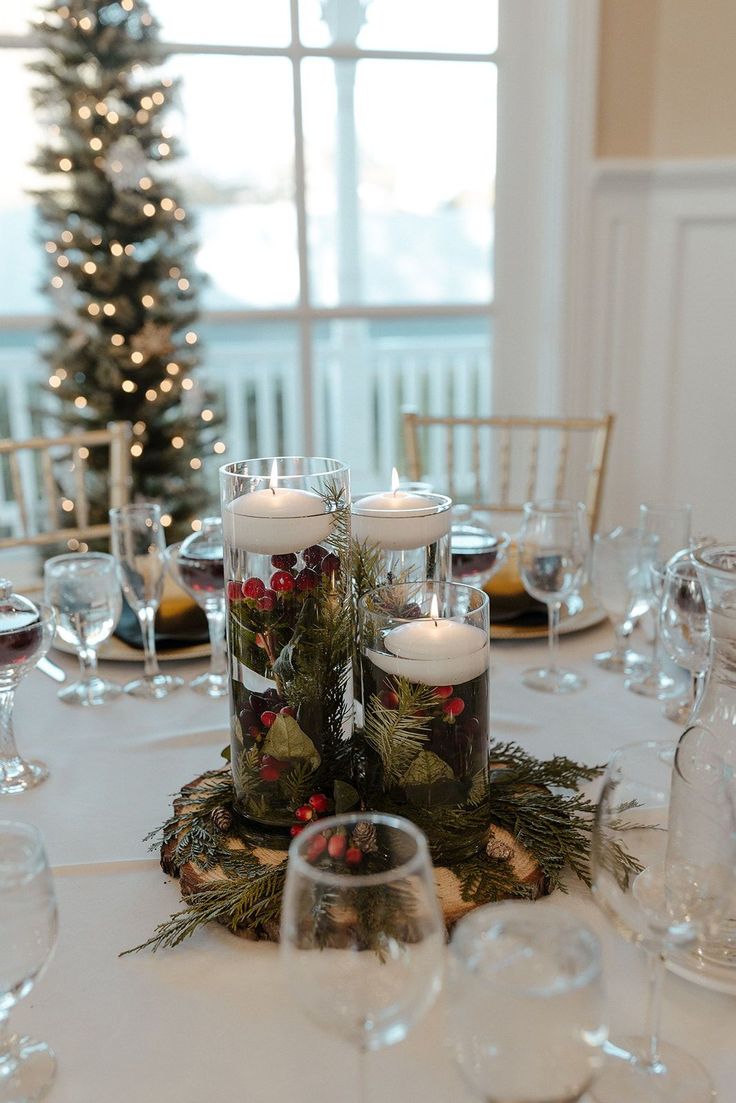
186, 628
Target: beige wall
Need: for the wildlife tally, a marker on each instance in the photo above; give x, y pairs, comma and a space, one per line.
667, 78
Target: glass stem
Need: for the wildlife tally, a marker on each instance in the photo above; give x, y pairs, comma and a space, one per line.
553, 611
656, 648
697, 686
8, 749
146, 617
87, 663
216, 625
623, 631
362, 1075
655, 980
6, 1037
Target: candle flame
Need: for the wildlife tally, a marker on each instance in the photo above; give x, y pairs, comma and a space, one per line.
395, 480
273, 482
434, 609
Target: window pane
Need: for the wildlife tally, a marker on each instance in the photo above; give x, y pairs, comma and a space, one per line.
468, 26
237, 173
405, 213
366, 372
15, 17
231, 22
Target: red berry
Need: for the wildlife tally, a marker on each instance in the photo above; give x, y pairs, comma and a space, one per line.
330, 565
296, 830
287, 710
267, 718
283, 562
454, 707
316, 849
267, 602
314, 555
336, 846
319, 803
307, 579
253, 588
304, 812
276, 763
389, 699
353, 856
282, 582
269, 773
234, 591
443, 691
255, 732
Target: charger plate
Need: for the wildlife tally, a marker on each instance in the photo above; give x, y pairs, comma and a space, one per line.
708, 974
117, 651
587, 616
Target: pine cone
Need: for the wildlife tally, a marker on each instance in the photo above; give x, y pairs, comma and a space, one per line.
222, 819
364, 837
495, 848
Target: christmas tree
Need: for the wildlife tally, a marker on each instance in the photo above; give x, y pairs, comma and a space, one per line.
121, 344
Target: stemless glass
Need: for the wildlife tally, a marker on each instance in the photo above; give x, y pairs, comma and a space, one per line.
553, 543
685, 630
138, 544
362, 936
26, 632
85, 592
196, 564
670, 527
668, 809
616, 577
28, 923
521, 972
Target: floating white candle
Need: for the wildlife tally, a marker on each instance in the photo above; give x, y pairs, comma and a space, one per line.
276, 520
397, 520
435, 651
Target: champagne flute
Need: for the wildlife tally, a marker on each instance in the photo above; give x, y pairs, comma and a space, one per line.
28, 922
553, 543
670, 527
85, 592
685, 630
518, 971
362, 935
616, 577
138, 544
669, 811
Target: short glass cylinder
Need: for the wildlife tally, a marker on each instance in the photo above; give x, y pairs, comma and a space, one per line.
290, 631
401, 536
426, 692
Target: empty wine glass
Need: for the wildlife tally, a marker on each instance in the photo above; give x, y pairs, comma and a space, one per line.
663, 868
196, 564
26, 632
28, 922
518, 971
477, 553
617, 579
670, 526
362, 936
138, 544
685, 630
85, 592
553, 544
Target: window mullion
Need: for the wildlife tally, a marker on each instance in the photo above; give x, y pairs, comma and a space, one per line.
300, 199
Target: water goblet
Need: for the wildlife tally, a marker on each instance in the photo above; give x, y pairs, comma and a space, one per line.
552, 551
85, 592
517, 972
670, 527
663, 868
138, 544
26, 632
196, 564
685, 630
362, 936
616, 577
476, 552
28, 922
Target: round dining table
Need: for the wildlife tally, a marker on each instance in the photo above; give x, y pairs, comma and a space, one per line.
212, 1019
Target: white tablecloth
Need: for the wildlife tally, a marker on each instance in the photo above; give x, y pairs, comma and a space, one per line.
211, 1020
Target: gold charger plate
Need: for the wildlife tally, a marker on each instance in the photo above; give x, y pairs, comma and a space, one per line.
117, 651
587, 617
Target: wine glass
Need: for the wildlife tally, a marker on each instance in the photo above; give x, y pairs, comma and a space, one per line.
26, 632
28, 922
670, 526
196, 564
138, 544
85, 592
663, 870
552, 548
477, 553
616, 577
517, 971
362, 935
685, 630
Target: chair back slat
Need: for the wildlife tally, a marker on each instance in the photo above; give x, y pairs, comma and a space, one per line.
81, 504
476, 462
16, 483
505, 464
531, 483
562, 463
50, 489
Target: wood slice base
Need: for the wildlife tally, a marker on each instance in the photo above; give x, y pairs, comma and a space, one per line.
193, 877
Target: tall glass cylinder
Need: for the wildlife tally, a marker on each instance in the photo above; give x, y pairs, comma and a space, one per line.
426, 692
290, 630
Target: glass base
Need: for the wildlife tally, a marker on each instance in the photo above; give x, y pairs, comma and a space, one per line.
654, 684
625, 1078
679, 710
28, 1072
210, 685
98, 691
553, 681
628, 662
17, 775
154, 688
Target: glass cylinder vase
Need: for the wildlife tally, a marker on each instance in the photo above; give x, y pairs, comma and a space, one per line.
426, 692
400, 536
290, 631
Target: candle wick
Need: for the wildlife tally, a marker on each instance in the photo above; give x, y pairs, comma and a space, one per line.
273, 490
435, 622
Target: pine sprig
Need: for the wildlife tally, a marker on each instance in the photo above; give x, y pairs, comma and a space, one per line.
398, 734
